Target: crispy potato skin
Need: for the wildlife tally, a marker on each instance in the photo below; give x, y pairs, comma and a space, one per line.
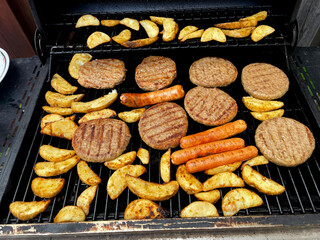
140, 42
121, 161
47, 187
86, 197
257, 105
165, 166
262, 116
70, 214
86, 174
199, 209
189, 183
260, 32
61, 85
53, 154
143, 209
27, 210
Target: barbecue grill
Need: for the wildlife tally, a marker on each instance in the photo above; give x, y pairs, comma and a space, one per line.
57, 40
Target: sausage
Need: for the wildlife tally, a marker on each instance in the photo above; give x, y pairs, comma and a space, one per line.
219, 159
143, 99
214, 134
183, 155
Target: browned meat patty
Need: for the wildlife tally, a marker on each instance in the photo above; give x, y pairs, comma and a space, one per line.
264, 81
102, 73
155, 73
163, 125
101, 140
210, 106
284, 141
212, 72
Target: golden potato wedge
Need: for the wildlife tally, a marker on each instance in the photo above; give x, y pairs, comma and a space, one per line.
58, 110
95, 105
165, 166
131, 23
238, 33
53, 154
61, 85
187, 30
239, 198
258, 160
213, 34
104, 113
132, 116
47, 187
151, 28
224, 168
159, 20
211, 196
97, 38
196, 34
110, 22
87, 20
60, 100
170, 29
52, 117
257, 105
70, 214
51, 169
122, 37
64, 129
261, 32
199, 209
239, 24
189, 183
222, 180
260, 16
121, 161
143, 155
143, 209
260, 182
140, 42
86, 174
117, 182
27, 210
76, 62
262, 116
150, 190
86, 197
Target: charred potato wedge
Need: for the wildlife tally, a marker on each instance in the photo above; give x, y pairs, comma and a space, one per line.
210, 196
257, 105
140, 42
50, 118
213, 34
224, 168
260, 16
199, 209
238, 33
189, 183
104, 113
76, 62
47, 187
187, 30
170, 30
239, 24
261, 32
131, 23
64, 129
121, 161
87, 20
60, 100
122, 37
86, 197
222, 180
70, 214
165, 167
86, 174
143, 155
61, 85
143, 209
53, 154
196, 34
27, 210
97, 38
58, 110
262, 116
159, 20
258, 160
110, 22
151, 28
132, 116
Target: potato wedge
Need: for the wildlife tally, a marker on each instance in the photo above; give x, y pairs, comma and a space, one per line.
110, 22
70, 214
165, 166
117, 182
97, 38
95, 105
261, 32
239, 198
121, 161
159, 20
260, 182
53, 154
151, 28
189, 183
86, 197
257, 105
224, 168
104, 113
238, 33
132, 116
222, 180
140, 42
259, 160
27, 210
143, 155
51, 169
262, 116
150, 190
213, 34
52, 117
76, 62
131, 23
64, 129
58, 110
60, 100
122, 37
196, 34
211, 196
47, 187
260, 16
170, 29
87, 20
143, 209
239, 24
86, 174
187, 30
61, 85
199, 209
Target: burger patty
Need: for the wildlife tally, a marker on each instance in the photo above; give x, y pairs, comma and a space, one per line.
102, 73
155, 73
210, 106
163, 125
264, 81
212, 72
101, 140
284, 141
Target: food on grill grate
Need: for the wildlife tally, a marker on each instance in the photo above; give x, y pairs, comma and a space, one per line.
143, 209
121, 161
140, 42
97, 38
53, 154
27, 210
86, 174
64, 128
224, 168
258, 105
155, 73
187, 30
50, 118
199, 209
222, 180
61, 85
262, 116
143, 155
163, 125
110, 22
170, 30
284, 141
196, 34
60, 100
159, 20
238, 33
131, 23
104, 113
86, 197
58, 110
260, 16
132, 116
258, 160
240, 24
261, 32
87, 20
101, 140
189, 183
165, 166
213, 34
47, 187
70, 214
210, 106
76, 62
122, 37
102, 73
210, 196
212, 72
264, 81
151, 28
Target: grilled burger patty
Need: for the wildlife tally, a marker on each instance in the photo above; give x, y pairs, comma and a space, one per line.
155, 73
102, 73
210, 106
264, 81
163, 125
212, 72
284, 141
101, 140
